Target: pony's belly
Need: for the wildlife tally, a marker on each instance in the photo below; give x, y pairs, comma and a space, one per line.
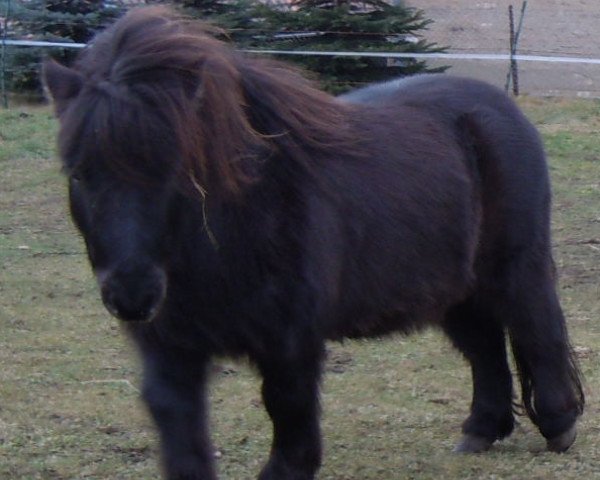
377, 325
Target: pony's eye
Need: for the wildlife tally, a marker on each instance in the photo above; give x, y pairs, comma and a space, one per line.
75, 177
78, 174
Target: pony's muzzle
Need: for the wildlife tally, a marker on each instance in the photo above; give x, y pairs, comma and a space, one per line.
133, 293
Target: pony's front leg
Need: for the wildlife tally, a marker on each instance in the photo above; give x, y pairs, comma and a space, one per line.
291, 395
174, 390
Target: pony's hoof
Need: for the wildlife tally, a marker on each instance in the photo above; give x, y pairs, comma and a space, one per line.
472, 444
562, 442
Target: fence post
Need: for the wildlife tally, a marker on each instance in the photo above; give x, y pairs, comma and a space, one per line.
512, 67
3, 56
513, 72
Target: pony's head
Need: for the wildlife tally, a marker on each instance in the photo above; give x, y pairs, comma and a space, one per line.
155, 112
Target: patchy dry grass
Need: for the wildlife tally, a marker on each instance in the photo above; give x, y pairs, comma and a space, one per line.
69, 405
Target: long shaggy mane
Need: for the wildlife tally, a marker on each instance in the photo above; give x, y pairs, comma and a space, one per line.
154, 70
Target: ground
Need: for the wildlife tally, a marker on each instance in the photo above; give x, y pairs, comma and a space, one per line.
550, 28
69, 381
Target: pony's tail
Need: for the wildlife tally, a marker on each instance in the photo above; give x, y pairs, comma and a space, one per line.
571, 372
526, 382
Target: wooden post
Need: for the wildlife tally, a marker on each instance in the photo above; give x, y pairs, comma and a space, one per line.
513, 71
511, 38
3, 56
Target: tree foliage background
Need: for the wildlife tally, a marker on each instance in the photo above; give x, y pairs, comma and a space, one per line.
63, 21
335, 25
307, 25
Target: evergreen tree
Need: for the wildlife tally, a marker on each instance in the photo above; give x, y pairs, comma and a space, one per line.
64, 21
211, 8
315, 25
337, 25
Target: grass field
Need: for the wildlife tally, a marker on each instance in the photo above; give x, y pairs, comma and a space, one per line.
69, 406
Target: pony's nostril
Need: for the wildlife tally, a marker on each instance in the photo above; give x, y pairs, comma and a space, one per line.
109, 300
149, 303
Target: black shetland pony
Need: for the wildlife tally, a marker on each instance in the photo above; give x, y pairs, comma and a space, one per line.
230, 208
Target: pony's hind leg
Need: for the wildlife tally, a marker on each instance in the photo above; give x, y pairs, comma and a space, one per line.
550, 382
482, 341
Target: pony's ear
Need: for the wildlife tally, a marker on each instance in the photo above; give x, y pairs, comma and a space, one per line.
61, 83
